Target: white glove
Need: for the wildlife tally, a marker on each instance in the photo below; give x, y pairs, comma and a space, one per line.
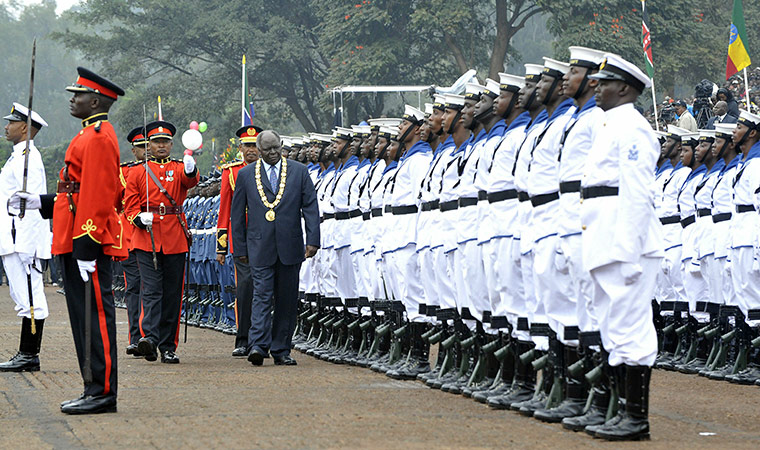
32, 200
560, 262
189, 163
85, 269
146, 218
27, 260
630, 273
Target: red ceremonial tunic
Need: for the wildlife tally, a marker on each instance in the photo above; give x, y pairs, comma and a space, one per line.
229, 177
167, 228
87, 221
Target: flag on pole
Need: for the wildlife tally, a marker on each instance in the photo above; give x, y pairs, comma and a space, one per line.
646, 40
738, 54
246, 101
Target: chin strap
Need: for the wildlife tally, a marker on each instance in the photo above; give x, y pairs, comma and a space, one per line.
342, 152
550, 94
457, 118
582, 87
511, 106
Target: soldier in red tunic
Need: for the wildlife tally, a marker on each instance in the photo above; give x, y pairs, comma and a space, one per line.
244, 283
167, 181
132, 283
88, 234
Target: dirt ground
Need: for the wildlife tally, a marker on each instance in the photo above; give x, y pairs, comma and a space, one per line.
212, 400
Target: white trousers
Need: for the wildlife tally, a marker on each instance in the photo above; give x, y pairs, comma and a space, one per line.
746, 278
625, 313
582, 288
406, 264
19, 287
674, 276
444, 278
473, 273
554, 288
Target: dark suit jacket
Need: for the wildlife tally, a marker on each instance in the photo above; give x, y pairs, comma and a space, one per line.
263, 241
714, 119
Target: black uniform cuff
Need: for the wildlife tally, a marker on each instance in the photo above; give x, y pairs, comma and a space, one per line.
47, 201
86, 249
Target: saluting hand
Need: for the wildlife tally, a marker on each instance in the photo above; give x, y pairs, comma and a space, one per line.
311, 251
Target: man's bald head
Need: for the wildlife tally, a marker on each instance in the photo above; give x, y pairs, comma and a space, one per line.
720, 108
270, 146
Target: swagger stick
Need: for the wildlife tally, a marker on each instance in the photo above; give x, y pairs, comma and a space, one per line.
87, 369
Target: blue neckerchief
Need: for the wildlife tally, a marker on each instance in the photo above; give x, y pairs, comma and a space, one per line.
329, 169
498, 129
665, 166
351, 162
481, 135
391, 165
418, 147
461, 148
365, 162
521, 120
374, 163
717, 167
754, 152
561, 109
448, 143
698, 171
734, 162
591, 104
311, 166
540, 118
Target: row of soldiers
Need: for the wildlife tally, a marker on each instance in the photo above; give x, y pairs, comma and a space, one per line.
526, 227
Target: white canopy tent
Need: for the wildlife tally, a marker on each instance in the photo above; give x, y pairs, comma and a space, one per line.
338, 92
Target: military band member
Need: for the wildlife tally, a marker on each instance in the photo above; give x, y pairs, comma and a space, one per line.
24, 241
168, 181
243, 282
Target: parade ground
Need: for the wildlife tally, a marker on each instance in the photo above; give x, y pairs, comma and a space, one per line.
212, 400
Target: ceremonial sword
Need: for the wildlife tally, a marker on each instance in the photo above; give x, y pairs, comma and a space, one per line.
147, 197
22, 206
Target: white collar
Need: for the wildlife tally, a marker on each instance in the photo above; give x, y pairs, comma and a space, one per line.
268, 167
21, 146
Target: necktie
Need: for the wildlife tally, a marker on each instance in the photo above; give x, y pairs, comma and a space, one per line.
273, 178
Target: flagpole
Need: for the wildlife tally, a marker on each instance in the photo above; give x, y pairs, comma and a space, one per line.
654, 107
242, 95
746, 91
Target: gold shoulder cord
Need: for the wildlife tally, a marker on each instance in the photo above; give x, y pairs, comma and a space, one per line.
283, 176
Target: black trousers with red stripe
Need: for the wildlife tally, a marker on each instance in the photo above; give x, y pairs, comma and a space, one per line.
103, 336
161, 297
132, 293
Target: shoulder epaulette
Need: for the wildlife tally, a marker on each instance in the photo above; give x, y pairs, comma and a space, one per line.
234, 163
177, 160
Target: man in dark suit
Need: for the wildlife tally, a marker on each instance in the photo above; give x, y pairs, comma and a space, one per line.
270, 199
721, 115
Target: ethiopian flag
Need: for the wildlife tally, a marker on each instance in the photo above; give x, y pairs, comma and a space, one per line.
738, 56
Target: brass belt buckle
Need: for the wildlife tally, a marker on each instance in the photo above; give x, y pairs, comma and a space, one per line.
162, 209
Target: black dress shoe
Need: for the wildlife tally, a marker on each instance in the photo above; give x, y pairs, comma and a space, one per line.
255, 357
284, 361
64, 403
147, 349
133, 350
240, 351
169, 357
21, 362
91, 404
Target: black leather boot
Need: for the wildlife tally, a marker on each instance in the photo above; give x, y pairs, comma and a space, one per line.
634, 420
602, 391
27, 359
576, 392
418, 363
524, 381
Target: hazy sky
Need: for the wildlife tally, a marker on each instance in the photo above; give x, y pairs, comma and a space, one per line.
63, 5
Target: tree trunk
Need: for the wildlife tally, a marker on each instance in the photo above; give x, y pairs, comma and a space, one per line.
459, 58
294, 106
501, 41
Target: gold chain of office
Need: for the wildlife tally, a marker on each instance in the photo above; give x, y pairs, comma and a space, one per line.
269, 215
